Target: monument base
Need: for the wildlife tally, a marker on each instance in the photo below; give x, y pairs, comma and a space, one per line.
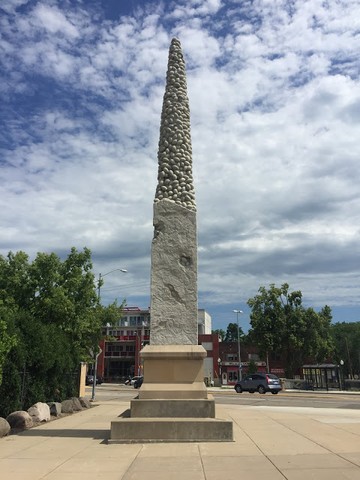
176, 408
157, 430
173, 404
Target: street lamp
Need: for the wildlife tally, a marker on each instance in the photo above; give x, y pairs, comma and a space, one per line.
341, 376
144, 324
219, 370
95, 355
101, 276
238, 339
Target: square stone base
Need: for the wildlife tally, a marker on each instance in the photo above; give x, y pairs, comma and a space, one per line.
155, 408
173, 403
173, 371
150, 430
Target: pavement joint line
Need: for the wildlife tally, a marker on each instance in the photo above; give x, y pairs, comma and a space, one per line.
257, 446
201, 461
331, 452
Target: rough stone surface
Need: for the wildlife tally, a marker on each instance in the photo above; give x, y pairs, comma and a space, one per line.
20, 420
174, 246
4, 427
85, 403
67, 406
40, 412
55, 408
174, 276
175, 181
76, 404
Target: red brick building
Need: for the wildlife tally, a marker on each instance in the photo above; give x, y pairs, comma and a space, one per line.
122, 344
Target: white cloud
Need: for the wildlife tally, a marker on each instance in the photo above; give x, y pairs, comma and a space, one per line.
10, 6
194, 8
274, 98
54, 21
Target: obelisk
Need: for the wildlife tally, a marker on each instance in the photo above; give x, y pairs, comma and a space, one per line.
173, 404
173, 362
174, 246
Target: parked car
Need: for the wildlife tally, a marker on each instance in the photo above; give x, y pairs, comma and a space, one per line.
138, 382
90, 380
259, 382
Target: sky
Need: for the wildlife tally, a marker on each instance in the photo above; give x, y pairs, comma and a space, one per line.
274, 96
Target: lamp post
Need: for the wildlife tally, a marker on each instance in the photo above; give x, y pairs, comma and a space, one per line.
238, 339
341, 376
101, 276
141, 346
97, 354
219, 370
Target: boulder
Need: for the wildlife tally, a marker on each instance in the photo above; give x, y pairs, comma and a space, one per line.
67, 406
85, 403
20, 420
55, 408
4, 427
40, 412
76, 404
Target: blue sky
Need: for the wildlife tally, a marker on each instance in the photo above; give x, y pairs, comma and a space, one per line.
275, 110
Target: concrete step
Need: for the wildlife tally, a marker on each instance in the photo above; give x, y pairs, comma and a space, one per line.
196, 408
148, 430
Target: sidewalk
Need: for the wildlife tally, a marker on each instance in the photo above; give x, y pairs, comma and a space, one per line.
272, 443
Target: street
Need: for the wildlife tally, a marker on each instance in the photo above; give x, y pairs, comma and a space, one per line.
107, 392
291, 399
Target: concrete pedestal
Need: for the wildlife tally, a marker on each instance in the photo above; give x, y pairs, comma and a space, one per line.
173, 404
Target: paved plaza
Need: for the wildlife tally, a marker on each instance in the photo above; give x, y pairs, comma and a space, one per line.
273, 443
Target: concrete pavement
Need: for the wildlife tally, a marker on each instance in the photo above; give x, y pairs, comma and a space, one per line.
275, 443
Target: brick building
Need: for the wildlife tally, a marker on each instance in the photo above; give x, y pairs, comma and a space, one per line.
122, 344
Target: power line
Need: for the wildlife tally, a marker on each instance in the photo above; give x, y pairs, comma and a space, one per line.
124, 287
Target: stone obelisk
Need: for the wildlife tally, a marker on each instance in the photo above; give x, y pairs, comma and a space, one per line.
173, 403
174, 349
174, 246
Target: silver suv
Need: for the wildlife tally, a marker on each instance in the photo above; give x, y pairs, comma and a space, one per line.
259, 382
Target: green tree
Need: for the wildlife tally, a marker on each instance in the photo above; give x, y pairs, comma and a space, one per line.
7, 340
232, 332
252, 368
220, 332
50, 319
346, 337
281, 325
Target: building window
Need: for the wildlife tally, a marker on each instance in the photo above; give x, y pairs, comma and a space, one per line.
231, 357
254, 356
233, 376
112, 347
